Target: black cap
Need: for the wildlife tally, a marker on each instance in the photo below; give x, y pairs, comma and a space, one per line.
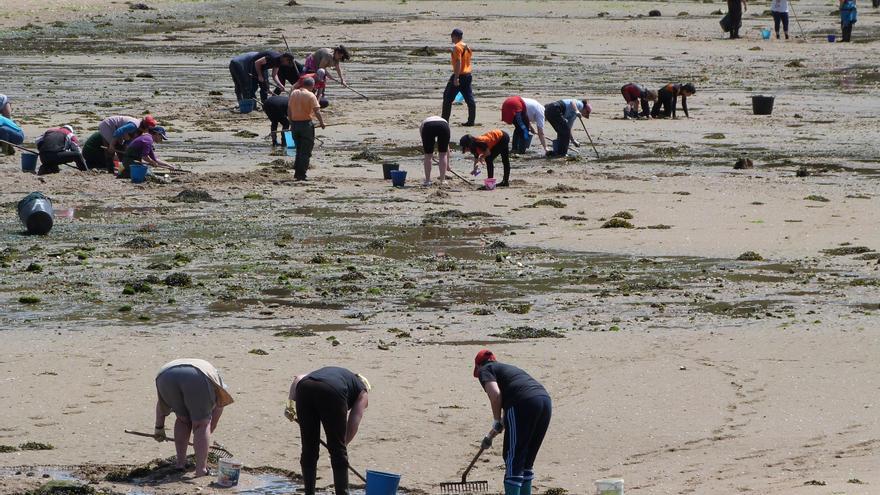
689, 87
457, 32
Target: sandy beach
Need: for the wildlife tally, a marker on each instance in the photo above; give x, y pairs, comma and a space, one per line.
672, 363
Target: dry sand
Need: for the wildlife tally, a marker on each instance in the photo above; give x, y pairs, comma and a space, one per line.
716, 376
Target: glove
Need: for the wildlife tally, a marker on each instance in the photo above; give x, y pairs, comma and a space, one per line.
486, 443
290, 411
498, 426
159, 434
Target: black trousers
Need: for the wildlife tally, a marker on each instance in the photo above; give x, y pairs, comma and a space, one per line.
666, 102
51, 159
319, 404
780, 18
553, 113
464, 85
304, 137
96, 158
847, 32
503, 149
734, 8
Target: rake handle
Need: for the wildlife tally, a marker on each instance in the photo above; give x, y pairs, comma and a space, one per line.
22, 148
216, 447
353, 470
471, 465
588, 136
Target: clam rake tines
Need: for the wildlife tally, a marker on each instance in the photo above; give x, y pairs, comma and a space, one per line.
465, 487
216, 449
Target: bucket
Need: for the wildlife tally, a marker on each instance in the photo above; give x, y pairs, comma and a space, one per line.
762, 105
832, 38
247, 105
28, 162
228, 471
609, 487
379, 483
398, 178
138, 172
289, 142
490, 184
459, 98
36, 213
387, 167
765, 33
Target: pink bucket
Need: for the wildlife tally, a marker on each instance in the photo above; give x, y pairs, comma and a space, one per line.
490, 184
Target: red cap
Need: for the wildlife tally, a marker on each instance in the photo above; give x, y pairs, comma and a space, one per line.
149, 121
482, 358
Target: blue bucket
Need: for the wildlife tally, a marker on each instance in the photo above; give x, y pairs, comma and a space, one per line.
765, 33
138, 172
832, 38
247, 105
398, 178
28, 162
459, 98
288, 140
379, 483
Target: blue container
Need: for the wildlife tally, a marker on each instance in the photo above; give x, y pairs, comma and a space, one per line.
138, 172
459, 98
765, 33
28, 162
288, 140
398, 178
832, 38
247, 105
379, 483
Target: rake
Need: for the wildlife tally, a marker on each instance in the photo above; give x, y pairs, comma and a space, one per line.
465, 486
216, 449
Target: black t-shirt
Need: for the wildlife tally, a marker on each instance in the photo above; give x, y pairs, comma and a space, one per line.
273, 59
344, 382
515, 384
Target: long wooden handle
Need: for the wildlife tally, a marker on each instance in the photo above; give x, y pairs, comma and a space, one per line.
22, 148
353, 470
471, 465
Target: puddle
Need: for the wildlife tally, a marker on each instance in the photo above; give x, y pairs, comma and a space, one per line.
279, 485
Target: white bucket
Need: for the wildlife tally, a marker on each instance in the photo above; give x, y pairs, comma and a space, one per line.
228, 472
609, 487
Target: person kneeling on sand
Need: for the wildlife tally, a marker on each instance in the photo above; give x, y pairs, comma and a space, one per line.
301, 106
194, 390
667, 99
435, 130
561, 115
485, 149
141, 149
336, 398
633, 94
526, 409
59, 146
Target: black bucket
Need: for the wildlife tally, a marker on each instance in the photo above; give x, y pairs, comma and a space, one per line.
36, 213
762, 105
387, 167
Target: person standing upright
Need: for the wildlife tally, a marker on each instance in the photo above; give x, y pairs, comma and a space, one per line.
848, 17
302, 105
735, 9
461, 78
779, 9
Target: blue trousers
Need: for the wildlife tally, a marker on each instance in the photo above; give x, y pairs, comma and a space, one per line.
525, 424
521, 137
464, 86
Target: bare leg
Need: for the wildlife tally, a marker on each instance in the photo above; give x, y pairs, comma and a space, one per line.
427, 163
444, 164
182, 430
201, 440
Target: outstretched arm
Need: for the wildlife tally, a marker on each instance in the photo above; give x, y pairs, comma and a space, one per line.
355, 416
684, 106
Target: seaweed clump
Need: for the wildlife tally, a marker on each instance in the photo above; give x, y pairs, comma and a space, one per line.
527, 332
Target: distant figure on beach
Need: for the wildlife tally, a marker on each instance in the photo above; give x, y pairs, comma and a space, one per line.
521, 409
460, 80
779, 10
337, 399
142, 150
486, 149
633, 95
194, 390
56, 147
434, 131
848, 16
667, 100
735, 9
302, 105
9, 130
326, 58
251, 70
561, 115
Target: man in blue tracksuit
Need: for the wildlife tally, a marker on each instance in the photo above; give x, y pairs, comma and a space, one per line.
527, 408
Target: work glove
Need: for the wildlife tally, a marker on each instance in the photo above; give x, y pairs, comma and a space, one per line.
159, 434
498, 426
290, 411
486, 443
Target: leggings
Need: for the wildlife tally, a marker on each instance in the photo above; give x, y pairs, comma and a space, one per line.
503, 149
525, 424
435, 132
780, 17
553, 113
319, 404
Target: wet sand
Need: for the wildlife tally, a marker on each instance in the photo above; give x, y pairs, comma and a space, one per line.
679, 368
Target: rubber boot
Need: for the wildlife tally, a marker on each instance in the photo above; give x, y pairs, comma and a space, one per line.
472, 116
511, 489
526, 488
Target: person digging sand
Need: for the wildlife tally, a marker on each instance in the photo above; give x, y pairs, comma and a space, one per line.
633, 95
667, 100
119, 129
514, 111
435, 132
460, 80
326, 58
56, 147
521, 409
194, 390
301, 106
486, 149
335, 398
561, 115
141, 149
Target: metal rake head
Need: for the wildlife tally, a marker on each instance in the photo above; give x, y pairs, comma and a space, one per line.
220, 451
465, 487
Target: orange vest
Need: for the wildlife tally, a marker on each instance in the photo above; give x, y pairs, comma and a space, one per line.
491, 138
462, 52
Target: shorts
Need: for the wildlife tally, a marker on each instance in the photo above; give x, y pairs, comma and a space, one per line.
187, 391
435, 131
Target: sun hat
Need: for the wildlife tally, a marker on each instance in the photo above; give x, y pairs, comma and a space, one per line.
366, 382
69, 128
160, 131
482, 358
149, 121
